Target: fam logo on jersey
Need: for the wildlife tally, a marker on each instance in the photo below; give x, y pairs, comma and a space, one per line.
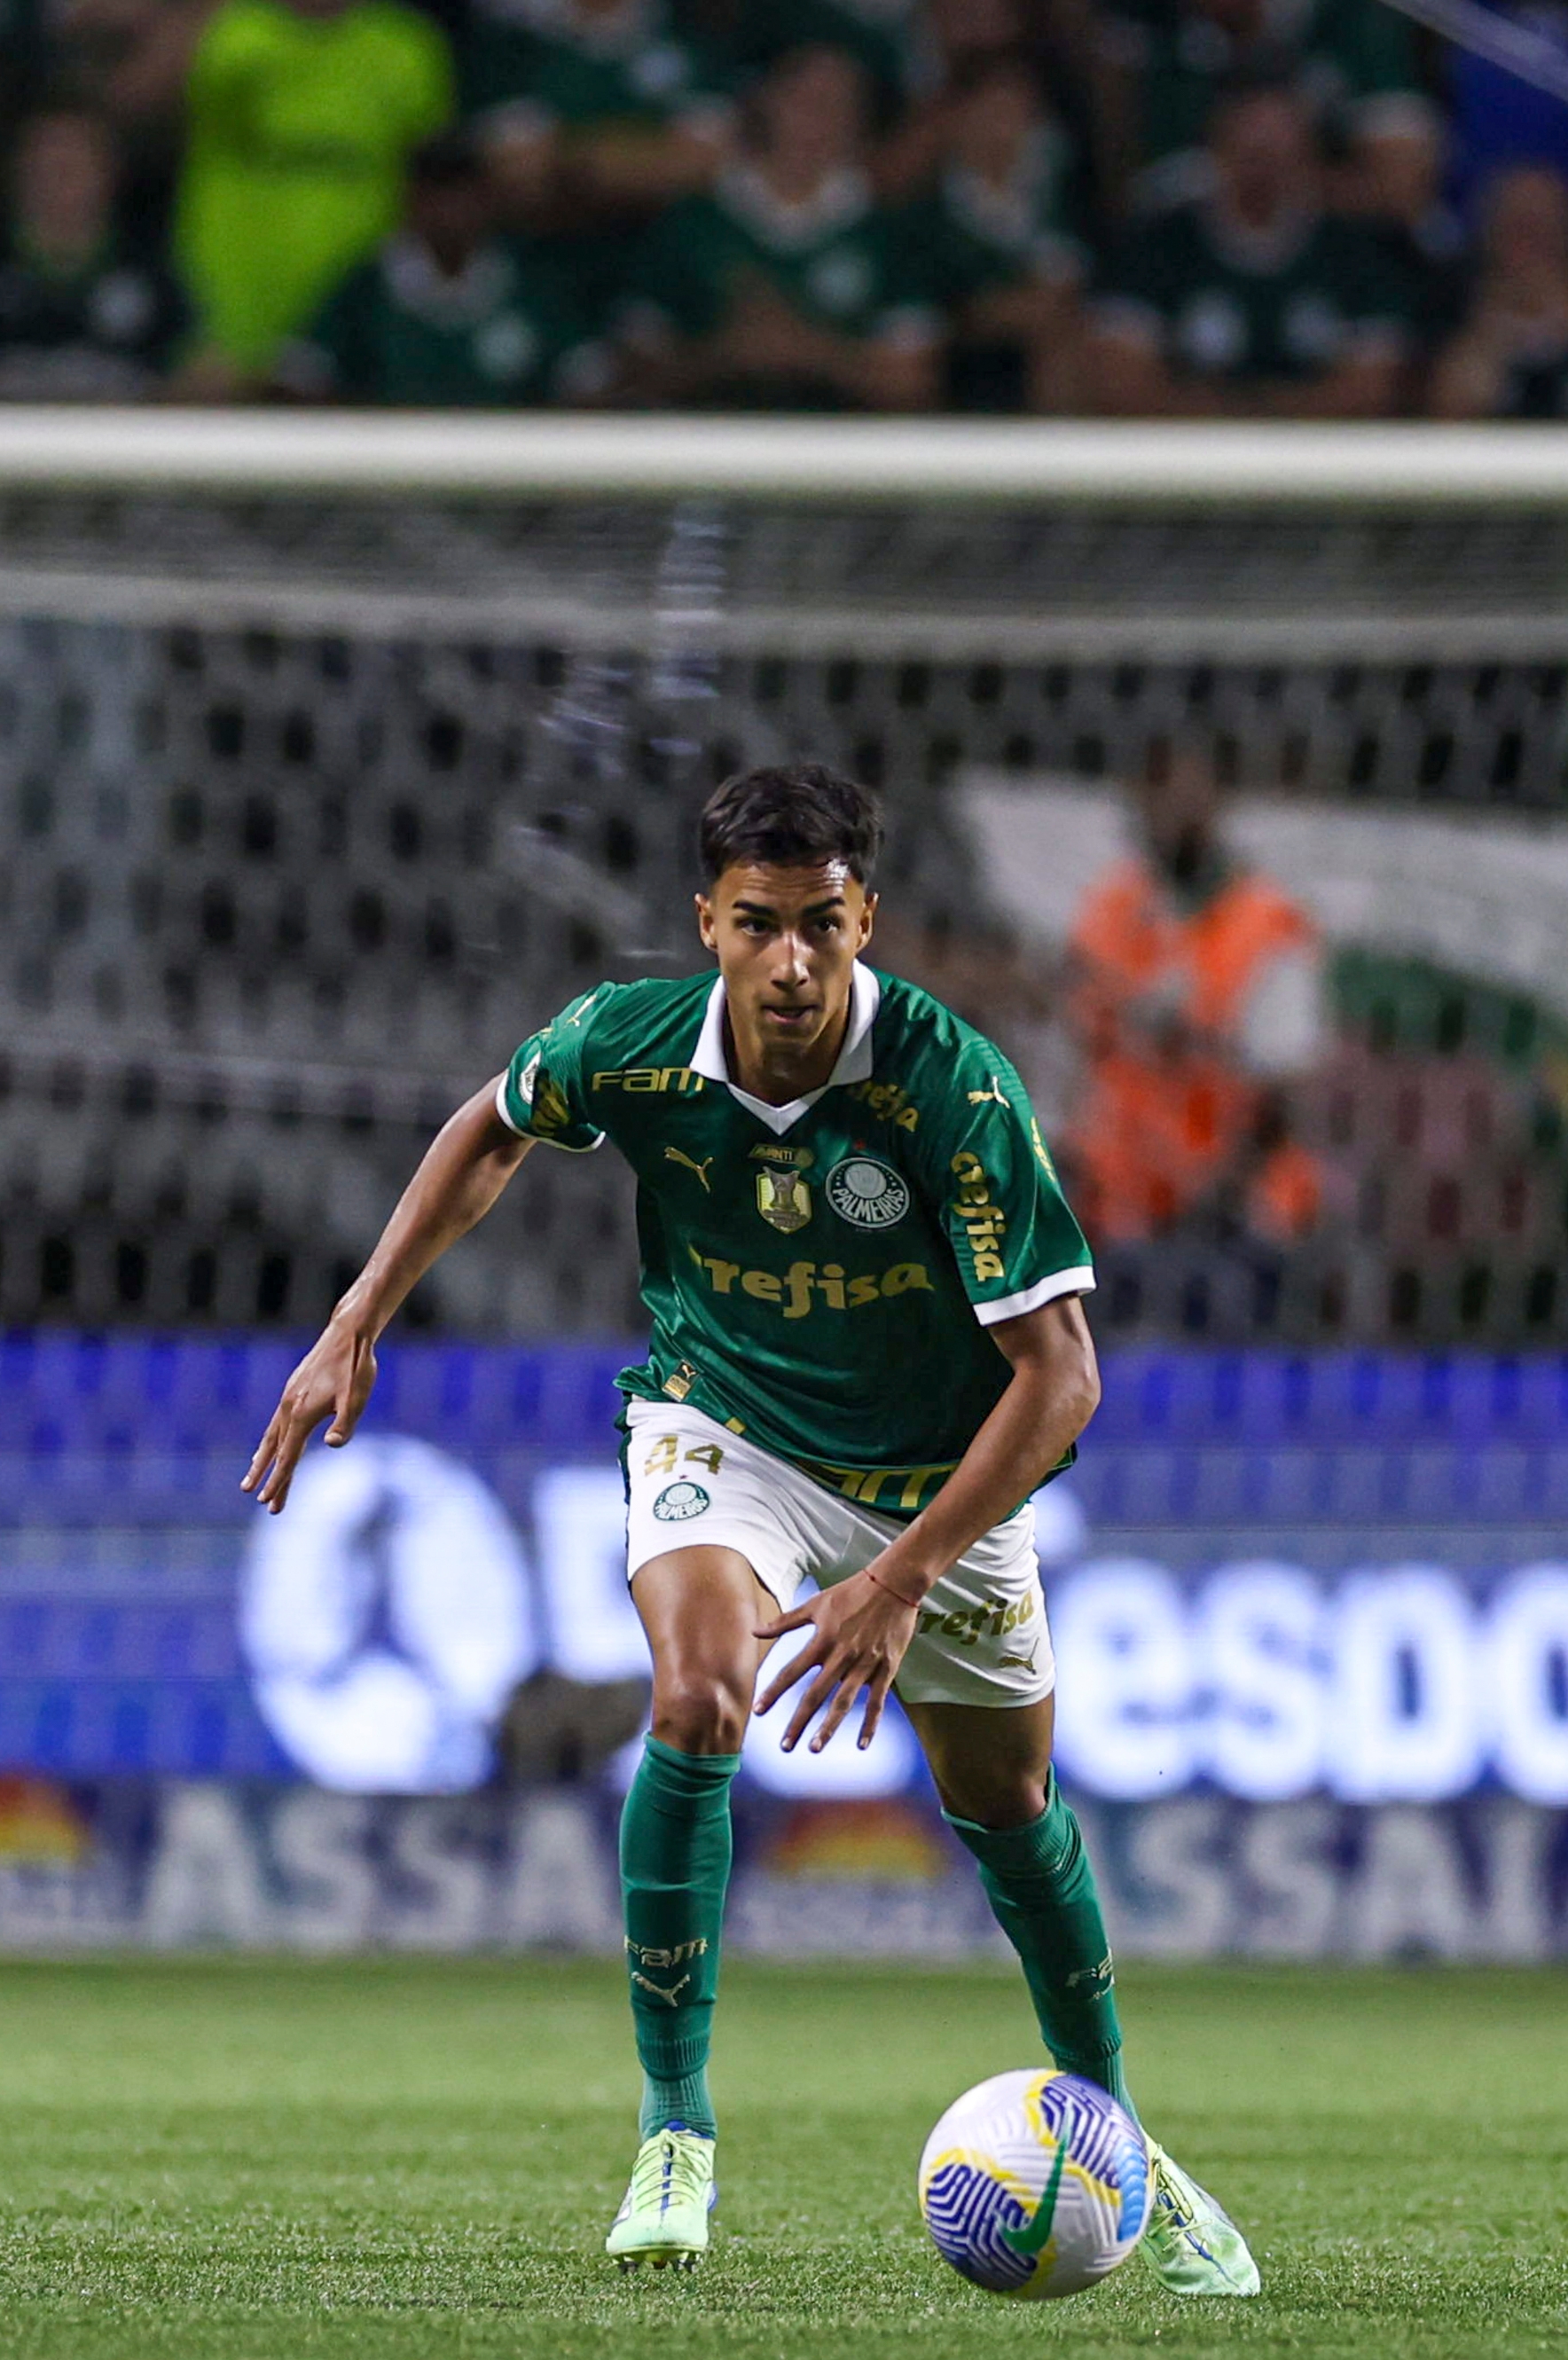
868, 1194
783, 1194
679, 1501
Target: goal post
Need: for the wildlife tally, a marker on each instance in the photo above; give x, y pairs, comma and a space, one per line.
851, 461
872, 538
322, 732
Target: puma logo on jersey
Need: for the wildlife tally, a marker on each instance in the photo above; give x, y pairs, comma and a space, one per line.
674, 1155
1022, 1663
993, 1097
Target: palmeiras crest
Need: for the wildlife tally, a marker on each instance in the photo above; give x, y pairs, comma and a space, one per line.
783, 1193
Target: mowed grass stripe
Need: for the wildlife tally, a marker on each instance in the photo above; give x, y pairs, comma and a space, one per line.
243, 2159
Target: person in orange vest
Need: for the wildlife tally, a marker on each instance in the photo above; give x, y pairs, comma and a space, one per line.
1195, 997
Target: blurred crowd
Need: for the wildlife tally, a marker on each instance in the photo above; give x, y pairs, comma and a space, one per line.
1174, 1044
1177, 208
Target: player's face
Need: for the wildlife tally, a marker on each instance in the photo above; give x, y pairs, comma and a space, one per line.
787, 940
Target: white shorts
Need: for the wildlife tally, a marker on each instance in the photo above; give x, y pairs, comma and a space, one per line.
982, 1636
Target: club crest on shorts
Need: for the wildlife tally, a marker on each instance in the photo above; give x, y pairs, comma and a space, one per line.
866, 1193
679, 1501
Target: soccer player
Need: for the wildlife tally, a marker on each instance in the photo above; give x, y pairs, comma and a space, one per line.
868, 1352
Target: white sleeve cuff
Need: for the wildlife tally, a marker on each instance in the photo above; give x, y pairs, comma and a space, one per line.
512, 1127
1078, 1281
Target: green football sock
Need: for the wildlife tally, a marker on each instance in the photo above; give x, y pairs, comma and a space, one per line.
675, 1870
1040, 1886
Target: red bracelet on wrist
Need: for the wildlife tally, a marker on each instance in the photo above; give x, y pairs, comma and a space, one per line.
913, 1603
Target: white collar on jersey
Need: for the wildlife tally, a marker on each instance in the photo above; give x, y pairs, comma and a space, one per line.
854, 1059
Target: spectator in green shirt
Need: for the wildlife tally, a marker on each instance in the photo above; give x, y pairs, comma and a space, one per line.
1253, 301
955, 36
82, 317
449, 314
889, 39
302, 115
789, 285
130, 62
595, 110
1000, 232
1353, 61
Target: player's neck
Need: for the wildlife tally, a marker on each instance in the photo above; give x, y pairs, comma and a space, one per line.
773, 1071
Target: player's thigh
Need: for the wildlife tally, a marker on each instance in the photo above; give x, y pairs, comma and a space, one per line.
700, 1611
990, 1763
714, 1548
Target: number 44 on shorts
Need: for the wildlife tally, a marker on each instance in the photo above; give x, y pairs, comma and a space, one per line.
661, 1458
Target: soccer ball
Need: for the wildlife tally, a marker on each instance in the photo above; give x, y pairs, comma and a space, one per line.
1035, 2184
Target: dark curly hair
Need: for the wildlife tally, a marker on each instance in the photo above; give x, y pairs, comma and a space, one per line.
791, 816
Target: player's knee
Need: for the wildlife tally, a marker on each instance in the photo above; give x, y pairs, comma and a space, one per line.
996, 1799
700, 1712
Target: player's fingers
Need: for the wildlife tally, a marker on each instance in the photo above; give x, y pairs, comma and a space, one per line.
285, 1458
276, 1498
876, 1698
264, 1450
345, 1415
811, 1703
848, 1690
796, 1620
795, 1669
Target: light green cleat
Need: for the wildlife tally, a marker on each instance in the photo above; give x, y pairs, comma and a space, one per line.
664, 2215
1190, 2244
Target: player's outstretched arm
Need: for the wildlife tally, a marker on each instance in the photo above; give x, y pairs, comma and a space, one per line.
467, 1166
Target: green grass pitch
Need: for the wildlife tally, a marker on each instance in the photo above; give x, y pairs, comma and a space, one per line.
254, 2160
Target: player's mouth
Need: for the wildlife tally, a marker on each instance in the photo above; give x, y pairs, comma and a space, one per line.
790, 1019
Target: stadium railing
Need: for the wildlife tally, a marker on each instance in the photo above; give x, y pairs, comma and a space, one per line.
339, 749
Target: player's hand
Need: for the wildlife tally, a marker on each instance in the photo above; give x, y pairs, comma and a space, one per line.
334, 1377
859, 1632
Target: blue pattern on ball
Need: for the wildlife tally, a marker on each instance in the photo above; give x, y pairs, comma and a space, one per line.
1098, 2137
967, 2212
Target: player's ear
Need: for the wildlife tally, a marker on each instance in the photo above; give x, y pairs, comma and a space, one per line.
705, 928
867, 920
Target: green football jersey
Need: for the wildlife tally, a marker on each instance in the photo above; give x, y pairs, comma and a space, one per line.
841, 260
977, 237
1222, 307
538, 62
821, 1275
1353, 60
531, 66
505, 332
298, 130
